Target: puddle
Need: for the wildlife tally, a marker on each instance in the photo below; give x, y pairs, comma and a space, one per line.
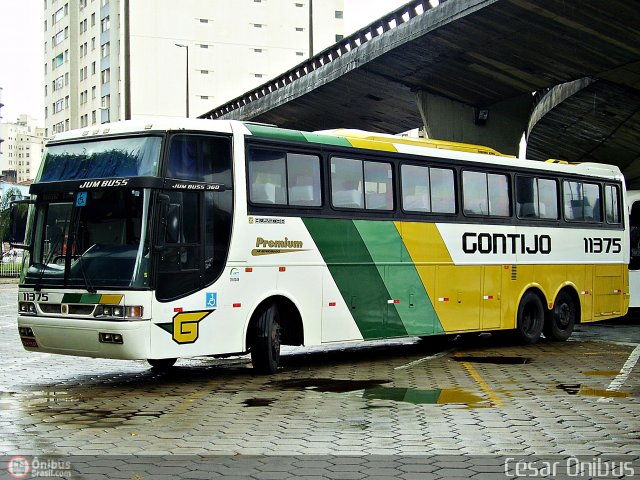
494, 360
438, 396
258, 402
602, 373
63, 407
373, 390
578, 389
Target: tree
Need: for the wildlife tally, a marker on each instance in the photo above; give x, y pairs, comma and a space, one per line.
5, 202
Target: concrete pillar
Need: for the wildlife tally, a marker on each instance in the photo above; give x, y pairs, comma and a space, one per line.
499, 126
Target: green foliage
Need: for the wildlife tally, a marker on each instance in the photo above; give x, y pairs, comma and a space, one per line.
5, 202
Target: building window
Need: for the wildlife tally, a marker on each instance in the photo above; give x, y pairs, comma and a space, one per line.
258, 25
339, 37
105, 50
299, 29
57, 61
204, 72
105, 76
339, 14
204, 20
105, 24
204, 45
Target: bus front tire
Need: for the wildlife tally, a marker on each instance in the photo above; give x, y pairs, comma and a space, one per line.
265, 347
530, 319
161, 364
559, 326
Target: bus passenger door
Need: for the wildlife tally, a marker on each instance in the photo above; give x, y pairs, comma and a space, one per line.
491, 297
457, 298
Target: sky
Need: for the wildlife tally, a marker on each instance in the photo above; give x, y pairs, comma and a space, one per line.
22, 58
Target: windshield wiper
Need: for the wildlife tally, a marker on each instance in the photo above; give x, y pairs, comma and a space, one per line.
47, 260
76, 230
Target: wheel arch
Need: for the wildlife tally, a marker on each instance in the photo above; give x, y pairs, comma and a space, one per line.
292, 329
538, 290
571, 290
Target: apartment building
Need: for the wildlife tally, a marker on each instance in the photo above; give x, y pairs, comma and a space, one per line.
21, 149
108, 60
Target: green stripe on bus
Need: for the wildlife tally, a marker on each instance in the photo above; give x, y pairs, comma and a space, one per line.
401, 278
80, 298
357, 277
327, 139
274, 132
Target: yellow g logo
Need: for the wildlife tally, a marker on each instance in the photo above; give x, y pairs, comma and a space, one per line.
186, 326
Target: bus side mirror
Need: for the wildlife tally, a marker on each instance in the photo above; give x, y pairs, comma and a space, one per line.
18, 211
173, 223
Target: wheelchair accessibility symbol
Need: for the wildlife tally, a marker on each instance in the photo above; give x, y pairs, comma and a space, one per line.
212, 299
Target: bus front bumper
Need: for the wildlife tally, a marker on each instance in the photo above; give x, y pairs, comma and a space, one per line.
127, 340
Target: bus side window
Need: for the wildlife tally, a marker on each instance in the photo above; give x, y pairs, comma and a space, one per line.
200, 158
612, 203
346, 183
267, 177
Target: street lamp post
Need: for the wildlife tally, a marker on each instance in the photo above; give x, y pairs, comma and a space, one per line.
187, 70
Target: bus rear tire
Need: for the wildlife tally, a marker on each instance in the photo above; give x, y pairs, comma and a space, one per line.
559, 326
161, 364
265, 346
530, 319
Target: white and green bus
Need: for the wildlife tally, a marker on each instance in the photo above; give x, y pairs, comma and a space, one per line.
171, 239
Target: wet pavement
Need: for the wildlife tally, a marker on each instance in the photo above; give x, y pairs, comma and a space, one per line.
395, 409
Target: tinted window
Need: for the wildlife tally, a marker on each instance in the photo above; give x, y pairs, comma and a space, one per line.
485, 193
282, 178
361, 184
427, 189
116, 158
612, 203
536, 198
200, 158
581, 201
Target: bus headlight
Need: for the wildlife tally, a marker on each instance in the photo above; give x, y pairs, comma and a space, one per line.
118, 312
27, 308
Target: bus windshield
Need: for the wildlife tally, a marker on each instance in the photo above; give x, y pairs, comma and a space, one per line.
91, 239
112, 158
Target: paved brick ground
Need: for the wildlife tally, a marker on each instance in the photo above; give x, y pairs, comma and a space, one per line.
402, 409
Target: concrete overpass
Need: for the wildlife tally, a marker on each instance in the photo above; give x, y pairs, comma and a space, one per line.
465, 69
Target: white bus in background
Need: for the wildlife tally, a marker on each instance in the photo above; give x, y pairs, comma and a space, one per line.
633, 199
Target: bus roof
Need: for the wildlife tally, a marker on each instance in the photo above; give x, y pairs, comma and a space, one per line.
340, 137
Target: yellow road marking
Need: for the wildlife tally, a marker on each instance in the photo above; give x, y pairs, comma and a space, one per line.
481, 383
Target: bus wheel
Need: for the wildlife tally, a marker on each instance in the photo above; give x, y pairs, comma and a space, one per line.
562, 319
530, 319
161, 364
265, 346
